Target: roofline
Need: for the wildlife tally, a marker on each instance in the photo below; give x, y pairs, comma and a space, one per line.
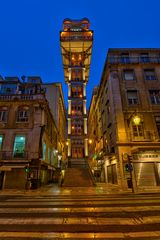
133, 49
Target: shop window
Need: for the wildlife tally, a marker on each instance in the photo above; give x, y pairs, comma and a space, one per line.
155, 96
19, 146
129, 74
132, 97
44, 151
1, 141
149, 74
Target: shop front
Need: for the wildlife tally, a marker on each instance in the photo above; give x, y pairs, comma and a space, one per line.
146, 165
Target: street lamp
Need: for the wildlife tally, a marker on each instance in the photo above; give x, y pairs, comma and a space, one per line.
135, 118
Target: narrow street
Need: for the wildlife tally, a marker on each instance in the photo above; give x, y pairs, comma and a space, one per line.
79, 213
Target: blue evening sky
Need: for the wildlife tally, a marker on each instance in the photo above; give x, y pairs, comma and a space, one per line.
29, 33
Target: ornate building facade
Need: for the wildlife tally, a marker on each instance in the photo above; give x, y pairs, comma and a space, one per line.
125, 113
76, 46
31, 145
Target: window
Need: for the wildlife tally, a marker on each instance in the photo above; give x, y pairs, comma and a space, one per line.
129, 74
155, 96
77, 127
76, 74
132, 97
125, 58
149, 74
137, 130
44, 90
76, 91
1, 141
44, 151
3, 115
8, 88
157, 119
144, 57
22, 115
49, 155
77, 109
19, 146
77, 152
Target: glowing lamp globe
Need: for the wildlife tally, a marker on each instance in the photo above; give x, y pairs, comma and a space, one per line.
136, 120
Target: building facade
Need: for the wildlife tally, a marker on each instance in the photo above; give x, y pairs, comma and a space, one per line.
29, 137
55, 98
126, 118
76, 46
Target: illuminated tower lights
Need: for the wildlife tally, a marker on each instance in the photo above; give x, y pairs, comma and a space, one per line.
76, 46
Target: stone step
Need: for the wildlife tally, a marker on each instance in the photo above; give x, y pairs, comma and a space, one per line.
77, 177
77, 163
80, 236
77, 217
79, 224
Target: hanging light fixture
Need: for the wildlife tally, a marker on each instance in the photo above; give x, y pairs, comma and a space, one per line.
136, 119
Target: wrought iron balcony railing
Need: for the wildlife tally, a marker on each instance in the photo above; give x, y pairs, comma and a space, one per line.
132, 60
76, 38
13, 97
5, 155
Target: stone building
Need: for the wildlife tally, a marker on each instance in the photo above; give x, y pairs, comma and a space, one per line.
55, 98
29, 136
124, 120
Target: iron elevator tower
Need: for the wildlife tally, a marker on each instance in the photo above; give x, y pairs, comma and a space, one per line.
76, 47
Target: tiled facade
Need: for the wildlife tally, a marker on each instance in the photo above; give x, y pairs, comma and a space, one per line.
29, 136
129, 87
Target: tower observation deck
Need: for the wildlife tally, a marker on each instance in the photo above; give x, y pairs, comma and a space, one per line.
76, 47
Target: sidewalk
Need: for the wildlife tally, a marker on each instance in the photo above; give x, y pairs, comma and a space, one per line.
99, 189
54, 189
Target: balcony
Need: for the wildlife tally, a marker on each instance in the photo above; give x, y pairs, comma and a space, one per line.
22, 97
76, 37
5, 155
132, 60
